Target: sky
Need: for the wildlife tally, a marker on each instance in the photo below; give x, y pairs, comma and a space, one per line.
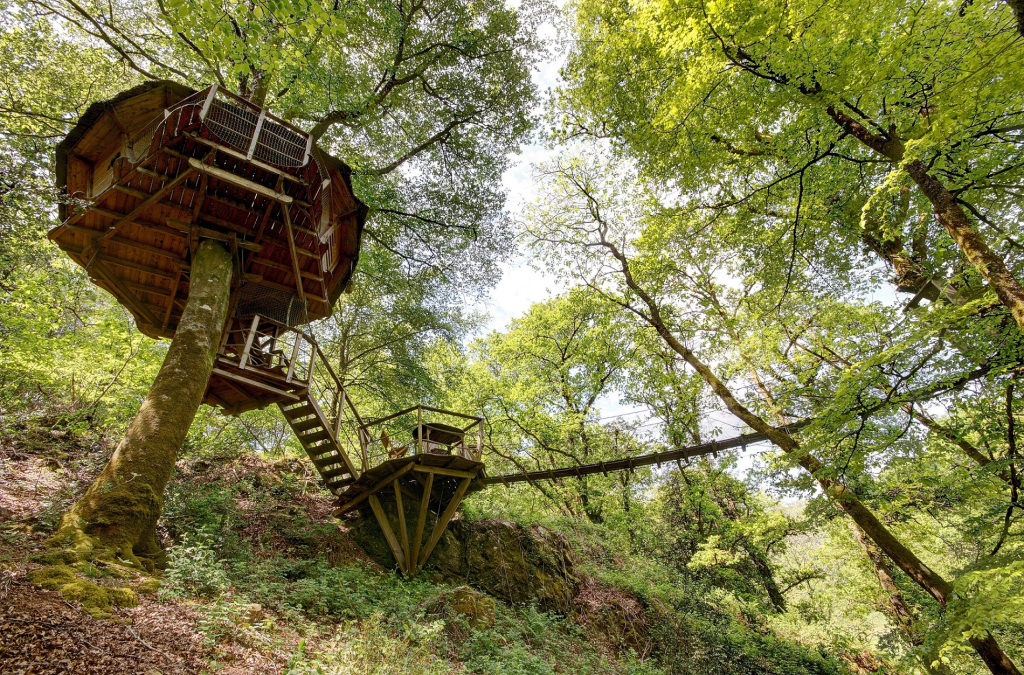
521, 284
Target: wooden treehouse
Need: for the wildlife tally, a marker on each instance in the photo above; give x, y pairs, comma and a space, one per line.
151, 172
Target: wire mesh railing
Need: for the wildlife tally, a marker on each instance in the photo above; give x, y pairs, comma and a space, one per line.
254, 131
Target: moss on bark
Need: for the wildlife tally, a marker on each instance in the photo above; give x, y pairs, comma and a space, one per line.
117, 515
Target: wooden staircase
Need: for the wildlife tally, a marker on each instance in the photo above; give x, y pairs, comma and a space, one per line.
261, 362
324, 450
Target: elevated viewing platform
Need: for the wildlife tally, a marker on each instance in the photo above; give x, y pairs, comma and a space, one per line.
423, 460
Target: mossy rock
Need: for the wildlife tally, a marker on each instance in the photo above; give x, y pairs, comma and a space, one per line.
466, 603
53, 577
55, 556
515, 563
94, 599
148, 586
123, 597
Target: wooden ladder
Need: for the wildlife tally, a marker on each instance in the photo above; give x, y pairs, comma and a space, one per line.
313, 431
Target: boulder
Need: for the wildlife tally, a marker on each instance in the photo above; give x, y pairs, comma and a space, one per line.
504, 559
465, 603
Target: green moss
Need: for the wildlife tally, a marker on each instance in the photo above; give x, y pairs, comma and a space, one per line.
55, 557
149, 586
53, 577
94, 599
123, 597
88, 570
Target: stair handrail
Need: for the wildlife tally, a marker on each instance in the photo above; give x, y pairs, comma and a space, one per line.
317, 358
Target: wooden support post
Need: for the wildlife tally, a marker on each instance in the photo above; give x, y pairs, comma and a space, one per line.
421, 521
479, 441
419, 431
401, 528
312, 357
341, 409
208, 102
248, 341
389, 534
364, 440
295, 257
442, 522
379, 485
256, 133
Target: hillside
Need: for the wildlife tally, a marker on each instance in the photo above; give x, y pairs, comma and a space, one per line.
260, 579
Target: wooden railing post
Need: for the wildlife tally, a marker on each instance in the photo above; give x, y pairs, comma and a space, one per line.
341, 410
312, 357
363, 437
248, 342
419, 430
479, 441
293, 358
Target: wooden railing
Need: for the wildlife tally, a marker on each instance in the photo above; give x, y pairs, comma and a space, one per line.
288, 353
292, 356
409, 435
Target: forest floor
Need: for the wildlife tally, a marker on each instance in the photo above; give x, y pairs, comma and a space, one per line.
261, 580
44, 633
202, 621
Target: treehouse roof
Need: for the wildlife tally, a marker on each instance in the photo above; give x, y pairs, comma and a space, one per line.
150, 172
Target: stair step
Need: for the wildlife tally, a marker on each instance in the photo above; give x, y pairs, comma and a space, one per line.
333, 473
300, 409
337, 485
326, 459
327, 463
323, 435
324, 454
299, 427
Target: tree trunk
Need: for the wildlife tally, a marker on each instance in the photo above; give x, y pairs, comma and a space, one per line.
1018, 11
991, 266
948, 212
120, 509
970, 450
896, 606
757, 557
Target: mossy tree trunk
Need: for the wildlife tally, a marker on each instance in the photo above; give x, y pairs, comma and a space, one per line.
120, 509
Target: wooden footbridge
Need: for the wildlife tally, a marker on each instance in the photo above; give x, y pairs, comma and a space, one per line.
150, 173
